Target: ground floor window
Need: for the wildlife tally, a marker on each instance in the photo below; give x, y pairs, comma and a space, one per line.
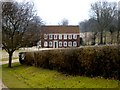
69, 44
50, 43
65, 43
45, 44
60, 44
74, 43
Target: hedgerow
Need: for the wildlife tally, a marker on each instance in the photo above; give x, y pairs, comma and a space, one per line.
95, 61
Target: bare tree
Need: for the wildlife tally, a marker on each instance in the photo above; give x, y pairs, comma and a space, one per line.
64, 22
103, 12
91, 27
15, 19
32, 36
118, 30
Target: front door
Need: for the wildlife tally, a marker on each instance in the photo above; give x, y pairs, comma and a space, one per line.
55, 44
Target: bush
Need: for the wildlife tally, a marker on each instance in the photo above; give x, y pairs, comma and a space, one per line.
89, 61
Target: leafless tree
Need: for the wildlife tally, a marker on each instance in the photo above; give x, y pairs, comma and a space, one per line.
103, 12
118, 31
15, 20
32, 36
64, 22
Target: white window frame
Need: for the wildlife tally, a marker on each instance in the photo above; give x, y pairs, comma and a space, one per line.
55, 36
65, 45
60, 44
50, 36
39, 44
74, 36
45, 43
60, 36
65, 36
70, 36
74, 43
45, 36
70, 44
50, 44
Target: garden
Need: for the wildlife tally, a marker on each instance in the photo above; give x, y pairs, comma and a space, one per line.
86, 67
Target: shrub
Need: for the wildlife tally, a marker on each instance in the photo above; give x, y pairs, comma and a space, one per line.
89, 61
29, 58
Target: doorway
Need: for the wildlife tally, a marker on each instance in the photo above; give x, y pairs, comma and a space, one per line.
55, 44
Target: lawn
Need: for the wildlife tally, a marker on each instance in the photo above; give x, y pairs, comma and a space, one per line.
21, 76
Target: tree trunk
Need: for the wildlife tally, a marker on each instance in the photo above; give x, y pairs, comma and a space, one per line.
101, 37
94, 39
118, 37
111, 38
105, 38
10, 59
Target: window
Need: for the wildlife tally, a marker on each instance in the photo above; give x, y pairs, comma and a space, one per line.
65, 43
69, 44
74, 44
70, 36
45, 44
60, 44
55, 36
60, 36
65, 36
74, 36
45, 36
50, 43
39, 44
50, 36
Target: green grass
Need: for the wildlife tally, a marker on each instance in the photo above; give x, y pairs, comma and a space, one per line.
21, 76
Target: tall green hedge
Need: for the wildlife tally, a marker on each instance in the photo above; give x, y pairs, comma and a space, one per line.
88, 61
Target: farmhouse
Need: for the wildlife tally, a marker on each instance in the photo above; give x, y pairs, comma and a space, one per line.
59, 36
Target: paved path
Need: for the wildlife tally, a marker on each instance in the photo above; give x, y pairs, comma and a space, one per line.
1, 83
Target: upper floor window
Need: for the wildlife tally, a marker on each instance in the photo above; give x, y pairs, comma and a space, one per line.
74, 36
50, 43
65, 36
60, 36
65, 43
69, 44
50, 36
60, 44
55, 36
45, 44
74, 43
45, 36
70, 36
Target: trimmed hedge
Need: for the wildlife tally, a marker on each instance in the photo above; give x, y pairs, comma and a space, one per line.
95, 61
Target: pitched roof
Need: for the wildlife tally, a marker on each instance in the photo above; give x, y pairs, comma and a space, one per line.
61, 29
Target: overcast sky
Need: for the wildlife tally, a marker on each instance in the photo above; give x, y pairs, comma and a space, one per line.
53, 11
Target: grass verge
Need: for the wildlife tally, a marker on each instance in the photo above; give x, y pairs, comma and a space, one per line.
21, 76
